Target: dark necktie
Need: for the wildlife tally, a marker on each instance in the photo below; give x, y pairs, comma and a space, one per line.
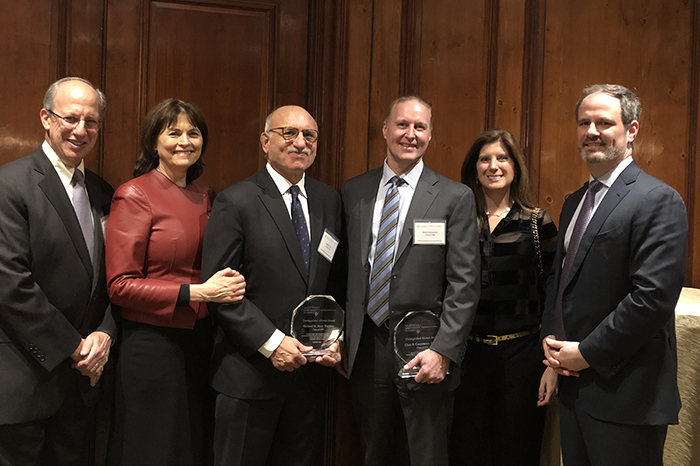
584, 217
378, 304
300, 225
81, 205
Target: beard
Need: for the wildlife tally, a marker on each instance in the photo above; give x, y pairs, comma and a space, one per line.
607, 153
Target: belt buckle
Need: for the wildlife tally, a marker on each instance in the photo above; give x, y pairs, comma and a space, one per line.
491, 340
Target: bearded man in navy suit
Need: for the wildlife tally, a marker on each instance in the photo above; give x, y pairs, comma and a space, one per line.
608, 326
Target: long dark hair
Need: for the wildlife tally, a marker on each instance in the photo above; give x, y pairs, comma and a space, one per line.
520, 188
160, 117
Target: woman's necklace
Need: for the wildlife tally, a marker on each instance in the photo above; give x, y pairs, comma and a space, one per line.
498, 214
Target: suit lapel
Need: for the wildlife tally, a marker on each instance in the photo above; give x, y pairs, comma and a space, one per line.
612, 198
52, 187
317, 229
367, 213
273, 202
423, 198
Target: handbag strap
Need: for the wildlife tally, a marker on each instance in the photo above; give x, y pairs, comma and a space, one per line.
536, 236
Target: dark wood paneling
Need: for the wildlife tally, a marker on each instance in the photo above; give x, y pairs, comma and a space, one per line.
693, 268
635, 47
453, 78
27, 46
228, 51
355, 117
235, 60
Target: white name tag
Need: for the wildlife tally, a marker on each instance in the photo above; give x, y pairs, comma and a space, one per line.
429, 231
328, 245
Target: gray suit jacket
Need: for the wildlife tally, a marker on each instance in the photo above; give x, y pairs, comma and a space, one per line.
51, 293
440, 278
620, 298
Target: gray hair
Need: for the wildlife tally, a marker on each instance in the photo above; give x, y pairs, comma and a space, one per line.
408, 98
631, 108
50, 95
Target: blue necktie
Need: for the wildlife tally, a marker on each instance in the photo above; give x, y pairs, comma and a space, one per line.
300, 225
81, 205
380, 280
584, 217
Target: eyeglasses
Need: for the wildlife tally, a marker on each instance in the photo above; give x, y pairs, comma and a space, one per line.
72, 122
290, 133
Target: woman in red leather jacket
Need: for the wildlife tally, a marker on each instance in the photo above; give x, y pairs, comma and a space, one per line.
153, 254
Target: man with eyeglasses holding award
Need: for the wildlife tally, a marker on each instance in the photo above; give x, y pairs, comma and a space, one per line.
56, 325
279, 228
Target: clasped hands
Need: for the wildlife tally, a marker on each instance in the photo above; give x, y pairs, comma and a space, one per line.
91, 355
563, 356
289, 355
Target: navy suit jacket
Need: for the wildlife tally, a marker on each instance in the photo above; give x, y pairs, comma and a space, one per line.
619, 301
439, 278
250, 230
51, 295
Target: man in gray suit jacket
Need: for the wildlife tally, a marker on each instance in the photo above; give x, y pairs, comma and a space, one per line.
270, 402
430, 263
608, 326
56, 325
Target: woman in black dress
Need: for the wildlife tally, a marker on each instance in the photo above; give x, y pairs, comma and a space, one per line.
499, 414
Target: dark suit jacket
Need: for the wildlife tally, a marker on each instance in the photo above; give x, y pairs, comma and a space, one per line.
51, 294
250, 230
442, 279
620, 298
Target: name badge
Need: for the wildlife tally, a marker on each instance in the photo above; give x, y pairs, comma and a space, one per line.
429, 232
328, 245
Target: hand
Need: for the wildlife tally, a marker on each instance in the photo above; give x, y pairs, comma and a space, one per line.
564, 357
433, 366
548, 387
93, 353
289, 354
332, 358
225, 286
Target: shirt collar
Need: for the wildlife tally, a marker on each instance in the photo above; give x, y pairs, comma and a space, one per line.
64, 171
411, 178
609, 177
283, 183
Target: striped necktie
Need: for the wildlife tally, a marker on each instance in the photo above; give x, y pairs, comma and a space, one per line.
378, 304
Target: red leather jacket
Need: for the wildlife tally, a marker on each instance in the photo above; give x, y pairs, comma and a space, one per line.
154, 245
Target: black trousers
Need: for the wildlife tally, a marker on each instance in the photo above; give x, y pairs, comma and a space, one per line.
395, 414
284, 430
67, 438
163, 403
496, 418
586, 441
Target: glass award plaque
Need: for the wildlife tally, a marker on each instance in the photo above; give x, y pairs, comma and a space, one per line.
317, 322
413, 334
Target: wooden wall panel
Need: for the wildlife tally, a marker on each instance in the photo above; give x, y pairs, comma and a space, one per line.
233, 82
27, 48
236, 60
355, 116
509, 57
453, 78
651, 39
